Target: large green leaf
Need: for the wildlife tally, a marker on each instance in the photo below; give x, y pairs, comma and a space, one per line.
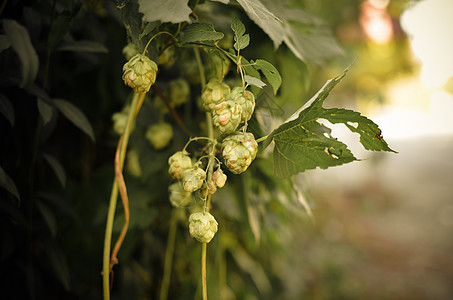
75, 115
20, 41
303, 143
174, 11
198, 32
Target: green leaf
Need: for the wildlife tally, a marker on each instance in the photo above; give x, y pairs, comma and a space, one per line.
148, 28
4, 42
197, 32
254, 81
48, 217
270, 72
57, 168
60, 27
45, 110
174, 11
303, 143
7, 109
8, 184
84, 46
75, 115
241, 39
21, 43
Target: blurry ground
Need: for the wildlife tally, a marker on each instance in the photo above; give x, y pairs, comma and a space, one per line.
386, 223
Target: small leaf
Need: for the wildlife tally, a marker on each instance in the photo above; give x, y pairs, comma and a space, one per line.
7, 109
148, 28
197, 32
241, 39
4, 42
48, 217
84, 46
270, 72
8, 184
21, 43
254, 81
75, 115
302, 143
60, 27
174, 11
57, 168
45, 110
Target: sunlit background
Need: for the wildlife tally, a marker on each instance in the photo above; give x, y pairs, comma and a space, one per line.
386, 222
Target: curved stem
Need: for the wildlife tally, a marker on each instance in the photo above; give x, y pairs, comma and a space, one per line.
121, 150
262, 139
152, 38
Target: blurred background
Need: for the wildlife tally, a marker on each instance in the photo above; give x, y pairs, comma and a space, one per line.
378, 228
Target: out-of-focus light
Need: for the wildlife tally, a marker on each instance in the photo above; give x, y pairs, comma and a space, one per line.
429, 25
375, 21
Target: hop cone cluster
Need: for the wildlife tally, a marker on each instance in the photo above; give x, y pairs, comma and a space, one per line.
202, 226
239, 150
139, 73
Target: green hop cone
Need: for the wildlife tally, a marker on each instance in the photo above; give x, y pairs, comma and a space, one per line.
178, 91
139, 73
226, 116
167, 58
218, 66
192, 179
219, 178
178, 163
214, 93
245, 99
159, 135
178, 196
133, 163
202, 226
239, 150
120, 120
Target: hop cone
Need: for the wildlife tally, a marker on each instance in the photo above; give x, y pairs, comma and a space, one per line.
159, 135
178, 196
219, 178
179, 91
202, 226
192, 179
213, 94
245, 99
227, 116
239, 150
179, 162
139, 73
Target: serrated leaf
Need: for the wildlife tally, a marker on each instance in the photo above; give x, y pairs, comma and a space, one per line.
270, 72
4, 42
148, 28
303, 143
7, 109
21, 43
174, 11
75, 115
241, 39
198, 32
45, 110
254, 81
57, 168
257, 9
8, 184
84, 46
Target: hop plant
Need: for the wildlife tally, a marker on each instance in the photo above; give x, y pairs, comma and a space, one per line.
218, 67
178, 163
178, 196
226, 116
133, 163
239, 150
167, 58
192, 179
202, 226
179, 91
120, 120
219, 178
214, 93
139, 73
159, 135
245, 99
